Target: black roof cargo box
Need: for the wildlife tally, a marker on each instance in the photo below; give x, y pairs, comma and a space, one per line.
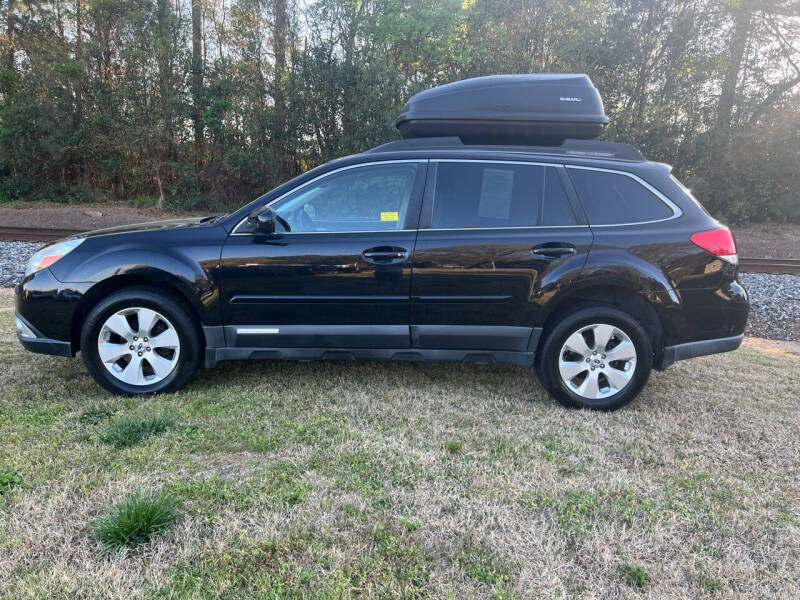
541, 108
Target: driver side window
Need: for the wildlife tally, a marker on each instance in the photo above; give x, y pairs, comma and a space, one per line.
368, 198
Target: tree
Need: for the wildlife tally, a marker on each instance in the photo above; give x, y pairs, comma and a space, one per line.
198, 68
207, 103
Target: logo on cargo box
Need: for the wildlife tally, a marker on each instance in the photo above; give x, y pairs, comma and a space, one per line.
570, 99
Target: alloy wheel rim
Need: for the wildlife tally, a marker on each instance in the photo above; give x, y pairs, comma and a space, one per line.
138, 346
597, 361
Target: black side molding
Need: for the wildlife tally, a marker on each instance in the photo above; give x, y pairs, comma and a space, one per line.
695, 349
522, 359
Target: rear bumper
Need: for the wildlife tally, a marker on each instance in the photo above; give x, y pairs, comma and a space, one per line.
34, 341
695, 349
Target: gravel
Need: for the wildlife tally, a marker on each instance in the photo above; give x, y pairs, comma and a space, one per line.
774, 305
774, 299
13, 259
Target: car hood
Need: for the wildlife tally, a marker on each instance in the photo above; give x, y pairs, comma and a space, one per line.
151, 226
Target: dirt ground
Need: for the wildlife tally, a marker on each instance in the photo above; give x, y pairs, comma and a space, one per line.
763, 240
80, 216
768, 240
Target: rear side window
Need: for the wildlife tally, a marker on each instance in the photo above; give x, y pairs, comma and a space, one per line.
475, 195
613, 198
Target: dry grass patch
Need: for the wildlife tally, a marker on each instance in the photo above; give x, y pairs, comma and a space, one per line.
347, 480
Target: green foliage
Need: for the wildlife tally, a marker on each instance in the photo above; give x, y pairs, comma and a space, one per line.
137, 519
96, 414
708, 582
116, 118
131, 430
454, 446
8, 480
479, 564
634, 575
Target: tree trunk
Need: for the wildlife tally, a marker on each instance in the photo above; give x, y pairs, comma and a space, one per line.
157, 177
10, 35
279, 44
741, 32
197, 82
163, 44
79, 57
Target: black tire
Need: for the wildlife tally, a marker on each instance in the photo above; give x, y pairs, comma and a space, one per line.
189, 358
556, 336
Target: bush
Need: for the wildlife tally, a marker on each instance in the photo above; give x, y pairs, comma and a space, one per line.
129, 431
137, 519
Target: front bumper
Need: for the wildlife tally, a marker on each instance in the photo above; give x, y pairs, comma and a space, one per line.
34, 341
45, 308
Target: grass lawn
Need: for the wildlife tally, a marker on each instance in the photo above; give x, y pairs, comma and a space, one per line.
351, 480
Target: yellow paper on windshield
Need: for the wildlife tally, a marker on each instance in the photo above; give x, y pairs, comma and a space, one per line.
389, 216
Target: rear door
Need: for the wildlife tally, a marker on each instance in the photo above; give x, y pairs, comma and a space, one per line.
497, 240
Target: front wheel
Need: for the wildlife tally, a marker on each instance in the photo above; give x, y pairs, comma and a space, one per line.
597, 357
139, 341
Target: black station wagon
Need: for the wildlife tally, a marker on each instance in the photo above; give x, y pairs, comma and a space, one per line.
463, 242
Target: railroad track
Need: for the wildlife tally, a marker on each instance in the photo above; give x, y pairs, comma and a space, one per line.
41, 234
34, 234
770, 265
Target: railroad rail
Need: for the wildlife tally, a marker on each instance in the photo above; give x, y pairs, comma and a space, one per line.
41, 234
34, 234
770, 265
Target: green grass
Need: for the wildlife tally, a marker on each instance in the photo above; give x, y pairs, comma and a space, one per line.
96, 414
454, 446
634, 575
136, 520
131, 430
9, 479
378, 480
479, 564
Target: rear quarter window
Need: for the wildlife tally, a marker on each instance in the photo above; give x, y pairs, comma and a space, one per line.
615, 199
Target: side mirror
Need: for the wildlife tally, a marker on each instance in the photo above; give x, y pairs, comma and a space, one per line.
263, 220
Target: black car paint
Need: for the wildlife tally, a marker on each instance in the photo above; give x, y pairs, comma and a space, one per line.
466, 294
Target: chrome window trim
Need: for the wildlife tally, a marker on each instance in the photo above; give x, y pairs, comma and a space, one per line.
676, 211
321, 176
506, 228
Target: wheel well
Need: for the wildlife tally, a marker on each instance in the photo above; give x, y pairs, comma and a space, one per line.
618, 297
113, 284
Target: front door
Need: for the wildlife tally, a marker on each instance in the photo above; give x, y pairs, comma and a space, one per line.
337, 272
496, 241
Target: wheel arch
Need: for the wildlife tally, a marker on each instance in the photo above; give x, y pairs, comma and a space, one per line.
620, 297
160, 282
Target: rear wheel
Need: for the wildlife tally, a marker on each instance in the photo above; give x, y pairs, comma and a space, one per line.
140, 341
596, 357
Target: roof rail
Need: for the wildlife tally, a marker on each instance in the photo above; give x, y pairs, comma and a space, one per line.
576, 148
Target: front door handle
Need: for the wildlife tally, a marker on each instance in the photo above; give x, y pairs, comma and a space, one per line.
385, 254
553, 250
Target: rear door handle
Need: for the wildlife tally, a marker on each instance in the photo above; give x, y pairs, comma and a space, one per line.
553, 250
385, 254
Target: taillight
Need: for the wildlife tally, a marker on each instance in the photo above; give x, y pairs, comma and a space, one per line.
719, 242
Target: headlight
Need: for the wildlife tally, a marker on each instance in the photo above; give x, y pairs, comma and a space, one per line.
50, 254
